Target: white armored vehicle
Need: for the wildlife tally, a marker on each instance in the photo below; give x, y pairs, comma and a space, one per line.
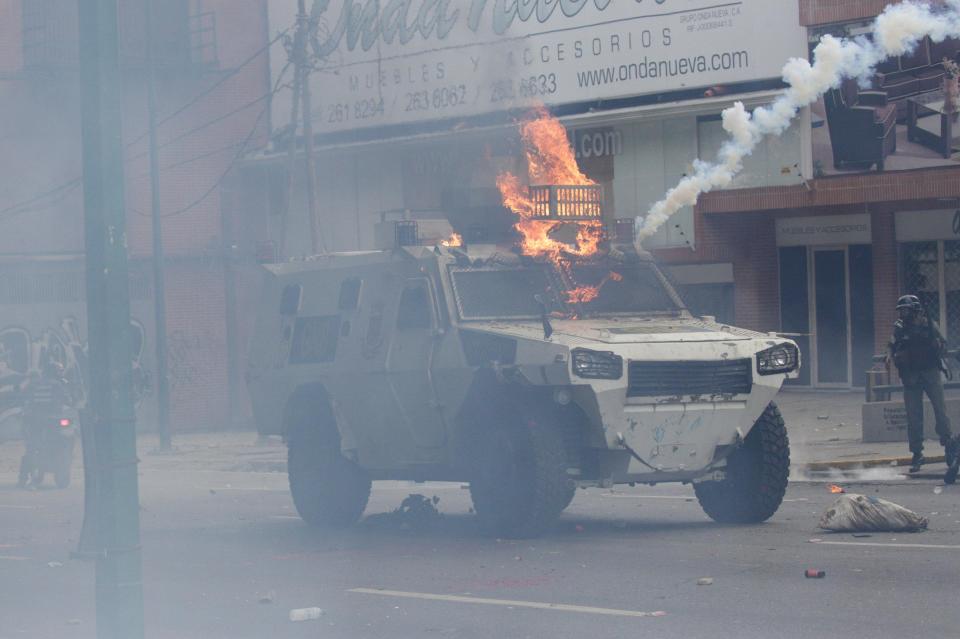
472, 364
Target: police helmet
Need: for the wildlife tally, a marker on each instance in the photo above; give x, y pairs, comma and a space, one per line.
911, 302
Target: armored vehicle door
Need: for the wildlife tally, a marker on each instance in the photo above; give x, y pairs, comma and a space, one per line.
410, 361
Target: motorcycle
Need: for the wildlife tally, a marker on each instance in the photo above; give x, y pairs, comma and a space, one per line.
50, 444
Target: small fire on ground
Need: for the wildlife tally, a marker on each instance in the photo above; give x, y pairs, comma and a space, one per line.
836, 490
551, 161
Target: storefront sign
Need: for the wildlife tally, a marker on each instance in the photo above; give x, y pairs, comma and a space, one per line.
922, 226
824, 230
596, 143
384, 62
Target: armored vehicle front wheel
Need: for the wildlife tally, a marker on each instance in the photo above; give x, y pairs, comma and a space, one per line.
519, 484
756, 475
327, 488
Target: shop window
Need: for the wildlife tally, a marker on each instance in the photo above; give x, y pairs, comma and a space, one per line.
931, 271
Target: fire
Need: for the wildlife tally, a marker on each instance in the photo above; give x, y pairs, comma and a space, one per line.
836, 490
455, 240
550, 160
586, 294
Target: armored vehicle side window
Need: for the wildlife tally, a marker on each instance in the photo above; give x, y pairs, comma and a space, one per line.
414, 311
315, 340
290, 299
350, 294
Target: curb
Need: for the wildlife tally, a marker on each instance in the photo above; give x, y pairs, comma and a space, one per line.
852, 464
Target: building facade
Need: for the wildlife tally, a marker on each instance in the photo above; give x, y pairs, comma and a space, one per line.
818, 235
415, 113
212, 63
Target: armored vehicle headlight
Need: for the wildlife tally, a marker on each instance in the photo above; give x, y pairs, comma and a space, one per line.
597, 364
782, 358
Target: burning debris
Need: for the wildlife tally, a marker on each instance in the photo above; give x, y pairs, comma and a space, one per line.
895, 32
454, 241
559, 196
836, 490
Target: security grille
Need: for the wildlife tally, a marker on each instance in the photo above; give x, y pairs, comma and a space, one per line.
951, 294
567, 202
675, 379
931, 271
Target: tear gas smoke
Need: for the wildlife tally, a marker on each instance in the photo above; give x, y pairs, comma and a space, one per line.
895, 32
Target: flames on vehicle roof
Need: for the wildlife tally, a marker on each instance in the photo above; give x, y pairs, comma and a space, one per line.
559, 213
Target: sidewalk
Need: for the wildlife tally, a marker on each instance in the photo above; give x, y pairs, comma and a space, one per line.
824, 428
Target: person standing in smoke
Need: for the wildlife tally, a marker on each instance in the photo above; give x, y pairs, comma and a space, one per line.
917, 349
45, 396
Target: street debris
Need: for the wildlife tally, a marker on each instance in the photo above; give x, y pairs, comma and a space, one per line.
54, 564
823, 417
415, 512
836, 490
267, 598
417, 509
705, 581
305, 614
813, 573
859, 513
937, 490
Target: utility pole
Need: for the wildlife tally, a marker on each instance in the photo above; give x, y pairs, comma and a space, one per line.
302, 62
110, 414
159, 287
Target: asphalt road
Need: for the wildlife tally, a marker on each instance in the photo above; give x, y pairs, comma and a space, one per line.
226, 557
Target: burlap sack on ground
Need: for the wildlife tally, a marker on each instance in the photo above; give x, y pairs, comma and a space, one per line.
859, 513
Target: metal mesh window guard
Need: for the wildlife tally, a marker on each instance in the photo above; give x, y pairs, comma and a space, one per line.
951, 295
567, 202
931, 271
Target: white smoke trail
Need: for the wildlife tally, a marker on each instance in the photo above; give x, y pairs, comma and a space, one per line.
896, 31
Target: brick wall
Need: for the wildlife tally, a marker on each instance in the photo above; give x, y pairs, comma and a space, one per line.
747, 241
885, 277
41, 133
196, 343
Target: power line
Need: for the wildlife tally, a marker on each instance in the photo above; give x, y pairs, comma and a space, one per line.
24, 206
215, 86
67, 187
236, 157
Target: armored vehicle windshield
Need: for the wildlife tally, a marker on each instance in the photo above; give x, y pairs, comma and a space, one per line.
525, 292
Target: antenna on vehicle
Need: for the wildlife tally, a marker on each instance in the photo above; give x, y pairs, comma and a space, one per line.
544, 316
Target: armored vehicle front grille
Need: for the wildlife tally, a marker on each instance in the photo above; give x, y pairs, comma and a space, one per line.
674, 379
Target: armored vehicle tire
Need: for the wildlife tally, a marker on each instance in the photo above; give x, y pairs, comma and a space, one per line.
756, 475
569, 492
327, 489
519, 485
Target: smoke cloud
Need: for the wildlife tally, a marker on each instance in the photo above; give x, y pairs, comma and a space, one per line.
895, 32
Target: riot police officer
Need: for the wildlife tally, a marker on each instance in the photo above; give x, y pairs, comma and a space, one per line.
917, 349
